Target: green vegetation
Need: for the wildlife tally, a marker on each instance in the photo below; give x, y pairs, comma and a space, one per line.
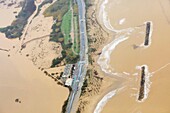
88, 3
78, 110
66, 102
76, 45
57, 10
41, 5
17, 26
89, 75
66, 27
75, 9
61, 29
64, 106
56, 61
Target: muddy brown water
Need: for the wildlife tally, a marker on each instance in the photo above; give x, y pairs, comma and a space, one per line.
125, 14
20, 79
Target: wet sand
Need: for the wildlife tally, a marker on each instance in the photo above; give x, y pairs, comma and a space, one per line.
128, 20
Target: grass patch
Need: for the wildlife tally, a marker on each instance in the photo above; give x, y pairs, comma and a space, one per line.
61, 30
57, 10
76, 46
66, 27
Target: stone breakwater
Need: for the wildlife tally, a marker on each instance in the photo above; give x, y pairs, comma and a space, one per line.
148, 33
142, 84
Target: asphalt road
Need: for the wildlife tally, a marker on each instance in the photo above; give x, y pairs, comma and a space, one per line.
80, 71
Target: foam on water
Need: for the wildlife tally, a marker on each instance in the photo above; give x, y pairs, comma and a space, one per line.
121, 35
104, 100
104, 17
104, 59
147, 83
122, 21
150, 35
161, 68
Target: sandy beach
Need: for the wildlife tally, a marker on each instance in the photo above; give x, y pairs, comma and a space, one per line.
121, 57
24, 86
98, 83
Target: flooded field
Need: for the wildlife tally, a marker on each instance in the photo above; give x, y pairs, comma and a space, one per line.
24, 87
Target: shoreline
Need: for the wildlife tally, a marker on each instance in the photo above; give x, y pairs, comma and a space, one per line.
99, 84
104, 58
105, 97
111, 88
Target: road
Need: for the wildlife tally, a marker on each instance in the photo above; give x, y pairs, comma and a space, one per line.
80, 71
34, 39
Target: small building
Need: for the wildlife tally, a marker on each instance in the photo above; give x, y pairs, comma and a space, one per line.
67, 72
69, 82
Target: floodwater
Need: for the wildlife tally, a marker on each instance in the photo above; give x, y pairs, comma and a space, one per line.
124, 56
23, 87
20, 79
